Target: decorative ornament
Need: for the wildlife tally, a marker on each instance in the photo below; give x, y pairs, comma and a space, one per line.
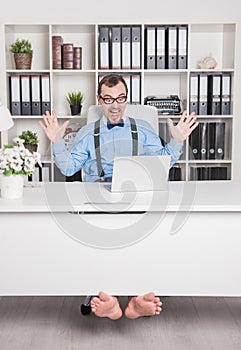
208, 62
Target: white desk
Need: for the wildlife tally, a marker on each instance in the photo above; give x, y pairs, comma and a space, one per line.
78, 238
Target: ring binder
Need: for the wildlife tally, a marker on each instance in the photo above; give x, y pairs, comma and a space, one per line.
126, 47
172, 47
25, 95
226, 94
104, 55
45, 94
160, 47
182, 47
116, 47
150, 55
135, 47
14, 82
35, 95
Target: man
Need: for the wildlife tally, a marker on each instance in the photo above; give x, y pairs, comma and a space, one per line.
95, 147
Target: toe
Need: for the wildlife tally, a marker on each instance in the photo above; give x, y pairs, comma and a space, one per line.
149, 296
103, 296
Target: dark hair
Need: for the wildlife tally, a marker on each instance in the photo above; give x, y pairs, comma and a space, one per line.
111, 80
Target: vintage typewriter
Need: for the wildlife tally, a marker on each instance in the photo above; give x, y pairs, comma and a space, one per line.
164, 105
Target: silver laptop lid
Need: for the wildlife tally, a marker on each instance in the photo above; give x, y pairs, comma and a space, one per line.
140, 173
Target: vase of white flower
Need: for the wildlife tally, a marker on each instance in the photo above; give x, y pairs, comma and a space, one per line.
12, 186
16, 162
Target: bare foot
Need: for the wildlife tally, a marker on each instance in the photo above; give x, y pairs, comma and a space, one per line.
146, 305
106, 306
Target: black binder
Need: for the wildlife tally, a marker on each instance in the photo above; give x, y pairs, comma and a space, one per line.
14, 84
226, 94
203, 140
160, 47
194, 144
126, 47
218, 173
220, 140
104, 49
194, 173
35, 95
175, 173
214, 94
211, 140
116, 47
193, 105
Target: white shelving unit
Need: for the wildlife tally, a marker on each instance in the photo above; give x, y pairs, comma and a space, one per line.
218, 39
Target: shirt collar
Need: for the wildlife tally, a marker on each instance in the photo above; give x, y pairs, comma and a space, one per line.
104, 119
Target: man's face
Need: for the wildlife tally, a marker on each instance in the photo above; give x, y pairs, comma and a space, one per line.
114, 111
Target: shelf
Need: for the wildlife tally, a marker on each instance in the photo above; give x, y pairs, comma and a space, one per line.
217, 39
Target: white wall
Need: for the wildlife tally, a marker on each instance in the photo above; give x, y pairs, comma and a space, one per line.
124, 10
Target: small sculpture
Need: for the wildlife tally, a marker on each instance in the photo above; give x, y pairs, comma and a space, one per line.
207, 63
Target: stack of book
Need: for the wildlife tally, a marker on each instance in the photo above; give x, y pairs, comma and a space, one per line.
65, 55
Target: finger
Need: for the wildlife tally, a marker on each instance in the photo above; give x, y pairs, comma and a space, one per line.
192, 120
191, 117
193, 127
55, 117
170, 122
65, 124
183, 116
42, 125
47, 118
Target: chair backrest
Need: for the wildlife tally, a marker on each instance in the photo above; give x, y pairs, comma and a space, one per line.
148, 113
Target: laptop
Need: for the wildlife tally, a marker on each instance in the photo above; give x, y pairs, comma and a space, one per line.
140, 174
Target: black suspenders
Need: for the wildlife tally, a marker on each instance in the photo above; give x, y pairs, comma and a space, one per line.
134, 135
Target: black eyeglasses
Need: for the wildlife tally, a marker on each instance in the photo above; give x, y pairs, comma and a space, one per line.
110, 100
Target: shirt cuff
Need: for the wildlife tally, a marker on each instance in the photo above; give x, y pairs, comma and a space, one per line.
176, 146
58, 147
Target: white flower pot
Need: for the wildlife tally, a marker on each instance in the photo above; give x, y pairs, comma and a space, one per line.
11, 186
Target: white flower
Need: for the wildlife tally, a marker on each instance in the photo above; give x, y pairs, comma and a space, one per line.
17, 166
18, 160
18, 141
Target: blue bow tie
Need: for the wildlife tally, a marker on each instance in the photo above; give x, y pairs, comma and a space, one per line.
110, 126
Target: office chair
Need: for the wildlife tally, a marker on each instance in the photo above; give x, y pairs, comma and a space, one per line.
148, 113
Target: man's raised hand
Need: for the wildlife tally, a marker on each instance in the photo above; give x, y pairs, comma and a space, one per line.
184, 127
51, 127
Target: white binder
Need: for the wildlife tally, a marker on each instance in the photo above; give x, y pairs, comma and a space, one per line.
160, 47
182, 47
126, 47
135, 47
172, 47
116, 47
150, 47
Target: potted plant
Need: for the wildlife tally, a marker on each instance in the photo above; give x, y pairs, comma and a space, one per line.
15, 163
75, 100
30, 140
23, 53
